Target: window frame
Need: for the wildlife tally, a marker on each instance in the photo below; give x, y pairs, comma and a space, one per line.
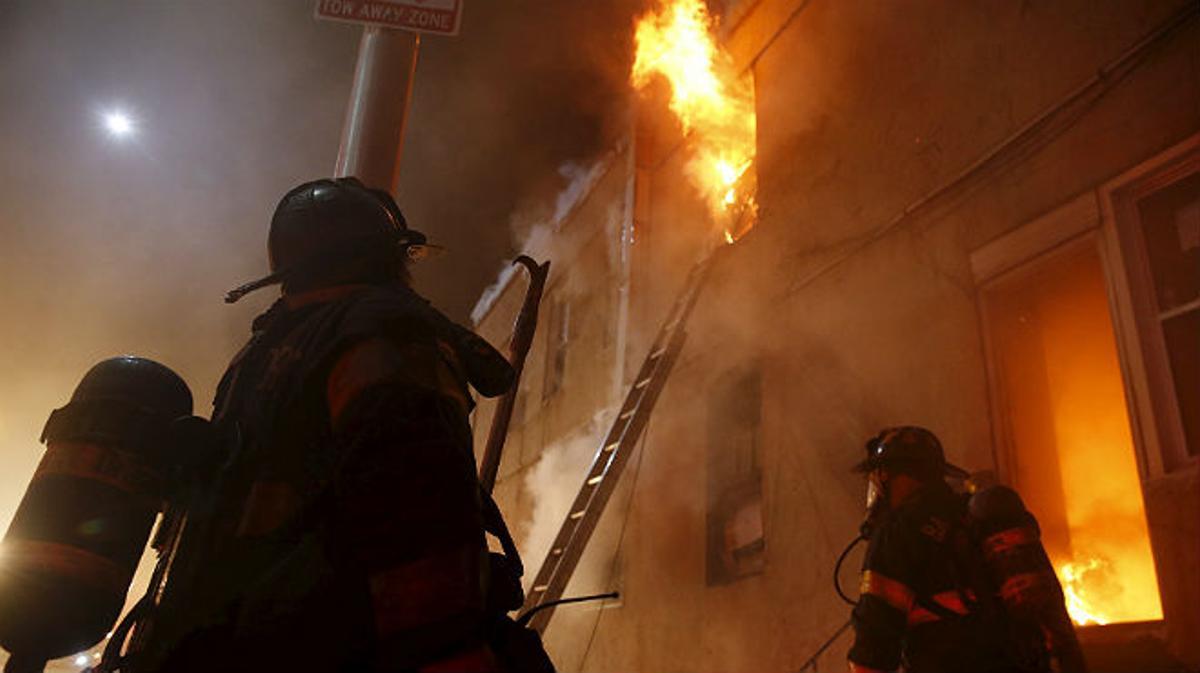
738, 485
1079, 223
1063, 230
558, 339
1140, 338
1107, 216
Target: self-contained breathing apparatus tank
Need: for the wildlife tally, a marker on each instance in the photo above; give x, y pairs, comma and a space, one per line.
68, 558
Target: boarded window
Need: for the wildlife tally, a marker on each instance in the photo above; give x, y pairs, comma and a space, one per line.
735, 521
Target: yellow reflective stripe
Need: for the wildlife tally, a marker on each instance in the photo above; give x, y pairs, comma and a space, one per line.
894, 593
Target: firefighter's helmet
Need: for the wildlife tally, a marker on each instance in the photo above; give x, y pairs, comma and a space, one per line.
333, 231
910, 449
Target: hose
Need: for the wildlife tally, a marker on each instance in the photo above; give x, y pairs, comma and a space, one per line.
837, 570
524, 619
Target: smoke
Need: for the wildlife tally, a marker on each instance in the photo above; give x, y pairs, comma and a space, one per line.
535, 223
503, 117
554, 482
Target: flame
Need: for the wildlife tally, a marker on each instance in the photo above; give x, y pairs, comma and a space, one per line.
714, 105
1074, 577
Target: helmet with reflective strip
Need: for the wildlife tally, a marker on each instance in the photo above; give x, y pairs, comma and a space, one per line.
333, 231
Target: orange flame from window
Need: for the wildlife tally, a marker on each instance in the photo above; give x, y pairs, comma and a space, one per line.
713, 104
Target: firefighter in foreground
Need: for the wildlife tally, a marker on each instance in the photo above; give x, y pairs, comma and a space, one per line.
349, 529
951, 584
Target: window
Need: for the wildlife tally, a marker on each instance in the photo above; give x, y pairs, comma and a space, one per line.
1154, 223
1066, 437
735, 521
1169, 220
556, 350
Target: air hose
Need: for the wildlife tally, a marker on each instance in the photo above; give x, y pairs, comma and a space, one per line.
837, 569
524, 618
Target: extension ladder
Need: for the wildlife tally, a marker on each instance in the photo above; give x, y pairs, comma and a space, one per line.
613, 454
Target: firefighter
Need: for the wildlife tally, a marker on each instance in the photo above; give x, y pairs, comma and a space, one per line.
950, 582
349, 531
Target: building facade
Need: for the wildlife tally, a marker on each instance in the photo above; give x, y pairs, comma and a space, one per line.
980, 218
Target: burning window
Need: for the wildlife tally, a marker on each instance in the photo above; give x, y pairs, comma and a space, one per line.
735, 524
714, 104
1069, 446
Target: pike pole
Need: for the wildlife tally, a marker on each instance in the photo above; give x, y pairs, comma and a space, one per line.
518, 348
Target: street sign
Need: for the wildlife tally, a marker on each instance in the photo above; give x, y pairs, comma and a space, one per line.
422, 16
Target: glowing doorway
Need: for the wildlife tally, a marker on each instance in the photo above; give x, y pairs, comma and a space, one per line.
1070, 449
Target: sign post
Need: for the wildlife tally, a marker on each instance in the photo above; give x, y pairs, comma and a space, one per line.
373, 133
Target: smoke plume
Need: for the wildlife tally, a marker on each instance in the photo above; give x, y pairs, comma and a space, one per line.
555, 480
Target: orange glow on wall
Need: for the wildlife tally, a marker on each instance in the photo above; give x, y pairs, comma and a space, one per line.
1072, 455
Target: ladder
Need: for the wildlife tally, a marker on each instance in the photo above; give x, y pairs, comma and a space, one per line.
613, 454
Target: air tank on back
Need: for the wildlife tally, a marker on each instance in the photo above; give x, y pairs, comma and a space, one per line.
68, 558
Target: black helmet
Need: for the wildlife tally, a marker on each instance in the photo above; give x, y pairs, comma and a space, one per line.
332, 231
909, 449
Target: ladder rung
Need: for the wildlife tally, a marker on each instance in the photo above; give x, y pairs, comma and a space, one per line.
627, 414
539, 589
557, 551
575, 516
611, 447
642, 383
658, 353
595, 480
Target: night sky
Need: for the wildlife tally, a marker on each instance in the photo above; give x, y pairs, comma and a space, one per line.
114, 247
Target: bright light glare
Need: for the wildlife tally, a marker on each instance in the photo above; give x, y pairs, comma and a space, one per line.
118, 123
81, 660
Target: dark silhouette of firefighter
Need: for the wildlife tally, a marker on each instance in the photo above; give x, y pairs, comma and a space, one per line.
952, 583
345, 530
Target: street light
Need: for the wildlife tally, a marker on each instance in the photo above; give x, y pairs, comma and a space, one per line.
119, 124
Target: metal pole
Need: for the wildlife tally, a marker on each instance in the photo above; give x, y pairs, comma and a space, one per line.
373, 134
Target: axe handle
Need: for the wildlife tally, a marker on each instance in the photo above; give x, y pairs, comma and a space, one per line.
522, 339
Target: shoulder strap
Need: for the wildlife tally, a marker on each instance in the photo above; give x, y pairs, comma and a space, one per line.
493, 522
